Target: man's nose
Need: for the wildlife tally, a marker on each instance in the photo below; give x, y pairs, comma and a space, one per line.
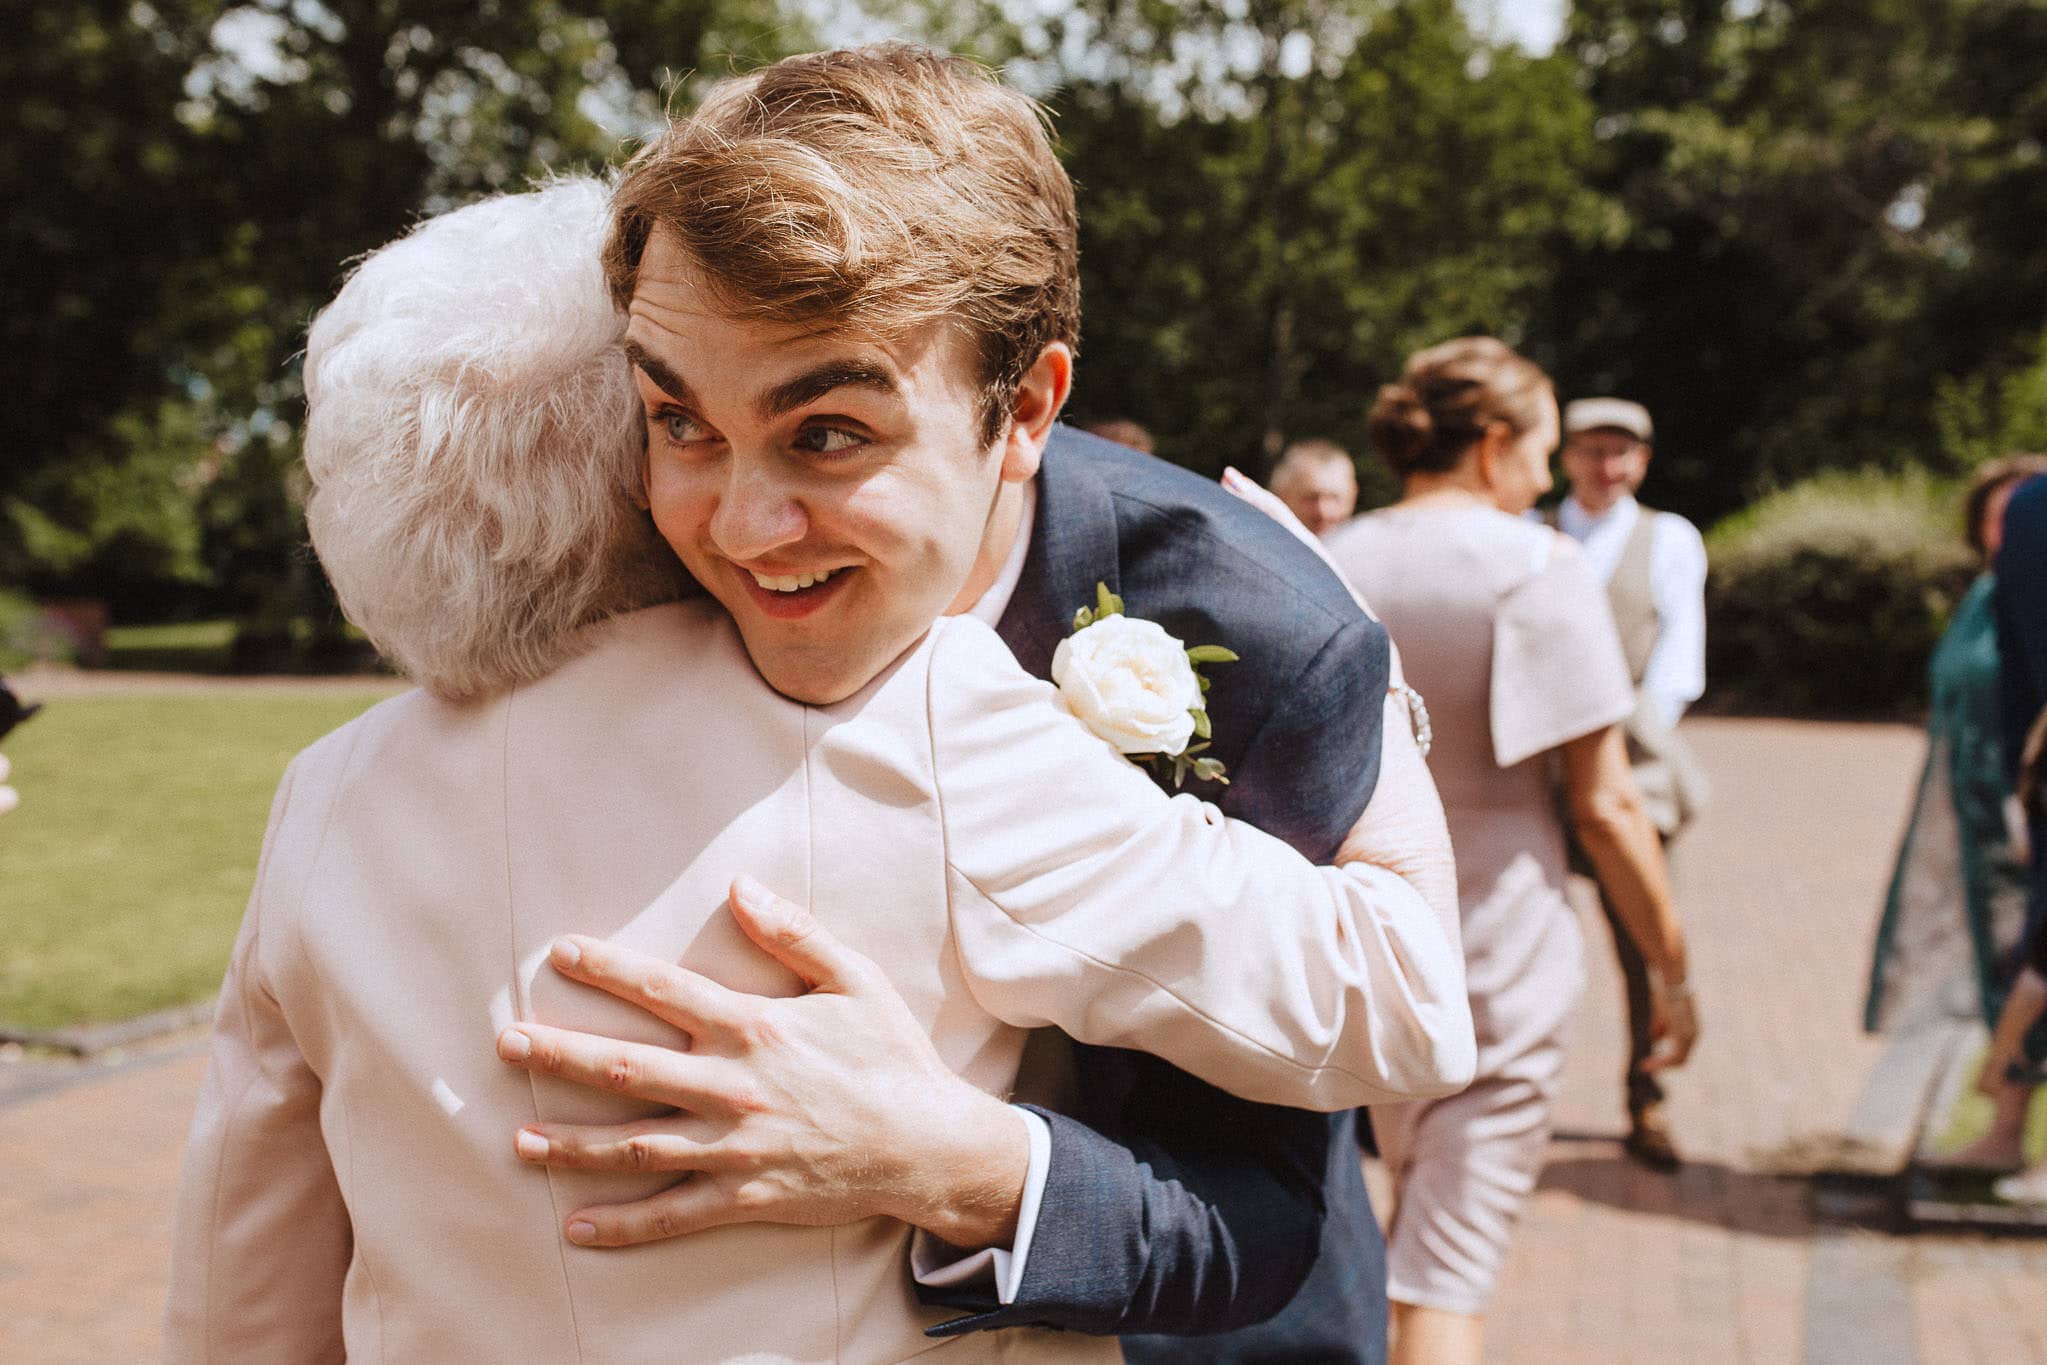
757, 515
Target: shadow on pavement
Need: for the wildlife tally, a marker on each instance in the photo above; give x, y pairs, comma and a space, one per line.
1595, 1169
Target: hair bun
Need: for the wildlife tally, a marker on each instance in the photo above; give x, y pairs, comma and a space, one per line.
1401, 427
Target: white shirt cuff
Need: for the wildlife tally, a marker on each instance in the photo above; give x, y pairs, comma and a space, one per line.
928, 1254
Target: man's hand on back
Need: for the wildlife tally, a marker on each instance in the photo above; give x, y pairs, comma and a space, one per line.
819, 1109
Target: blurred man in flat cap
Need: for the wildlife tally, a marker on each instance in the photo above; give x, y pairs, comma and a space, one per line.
1654, 566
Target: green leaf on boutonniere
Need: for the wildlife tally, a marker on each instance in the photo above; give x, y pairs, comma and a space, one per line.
1201, 725
1082, 619
1210, 770
1211, 654
1106, 602
1205, 683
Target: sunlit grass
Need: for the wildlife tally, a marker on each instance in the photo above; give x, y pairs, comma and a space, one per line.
124, 873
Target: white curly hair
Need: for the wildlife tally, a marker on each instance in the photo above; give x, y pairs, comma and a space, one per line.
475, 444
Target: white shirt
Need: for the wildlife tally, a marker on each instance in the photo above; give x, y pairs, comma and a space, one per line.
1006, 1264
1676, 674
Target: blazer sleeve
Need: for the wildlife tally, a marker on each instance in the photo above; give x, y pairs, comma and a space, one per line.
1310, 771
1177, 1233
1085, 898
261, 1241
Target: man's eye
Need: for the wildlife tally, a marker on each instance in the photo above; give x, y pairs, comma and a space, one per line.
680, 428
828, 440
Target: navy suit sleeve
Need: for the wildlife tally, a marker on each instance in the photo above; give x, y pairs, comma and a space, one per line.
1313, 765
1208, 1224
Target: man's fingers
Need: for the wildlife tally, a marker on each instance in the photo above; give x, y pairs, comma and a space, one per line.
691, 1002
651, 1146
692, 1206
792, 936
648, 1073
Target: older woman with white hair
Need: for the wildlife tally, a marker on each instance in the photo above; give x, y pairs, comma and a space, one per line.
592, 753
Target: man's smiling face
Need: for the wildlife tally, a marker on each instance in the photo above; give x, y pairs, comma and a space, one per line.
832, 492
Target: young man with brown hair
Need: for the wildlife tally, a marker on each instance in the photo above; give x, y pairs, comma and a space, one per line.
853, 295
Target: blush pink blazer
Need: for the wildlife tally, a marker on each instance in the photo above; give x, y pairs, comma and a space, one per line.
350, 1185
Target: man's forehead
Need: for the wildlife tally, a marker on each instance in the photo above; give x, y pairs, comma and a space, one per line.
672, 293
1607, 440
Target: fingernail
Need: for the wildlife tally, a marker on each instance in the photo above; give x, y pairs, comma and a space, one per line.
565, 953
582, 1234
531, 1145
750, 892
1230, 475
514, 1046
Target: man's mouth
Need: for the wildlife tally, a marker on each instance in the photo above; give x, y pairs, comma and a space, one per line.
789, 597
791, 583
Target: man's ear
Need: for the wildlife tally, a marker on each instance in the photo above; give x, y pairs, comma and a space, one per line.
1038, 400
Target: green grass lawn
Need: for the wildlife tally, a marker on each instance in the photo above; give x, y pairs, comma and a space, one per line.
124, 873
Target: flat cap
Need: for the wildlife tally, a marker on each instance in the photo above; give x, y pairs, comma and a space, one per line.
1591, 414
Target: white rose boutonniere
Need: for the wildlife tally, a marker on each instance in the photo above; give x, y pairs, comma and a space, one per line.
1138, 687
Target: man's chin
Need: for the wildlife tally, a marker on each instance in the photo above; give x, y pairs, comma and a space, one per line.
813, 681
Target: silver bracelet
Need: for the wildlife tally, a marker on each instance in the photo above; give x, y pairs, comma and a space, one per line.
1417, 716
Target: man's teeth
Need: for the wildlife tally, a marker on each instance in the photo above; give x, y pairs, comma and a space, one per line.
792, 582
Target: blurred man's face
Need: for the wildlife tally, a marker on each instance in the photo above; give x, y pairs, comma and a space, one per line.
834, 493
1603, 466
1323, 494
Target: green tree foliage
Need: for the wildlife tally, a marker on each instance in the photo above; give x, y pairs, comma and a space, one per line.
1281, 198
1828, 212
186, 181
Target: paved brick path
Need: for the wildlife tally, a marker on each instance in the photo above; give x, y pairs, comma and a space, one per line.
1722, 1262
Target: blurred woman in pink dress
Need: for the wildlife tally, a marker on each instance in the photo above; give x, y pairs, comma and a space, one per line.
1506, 631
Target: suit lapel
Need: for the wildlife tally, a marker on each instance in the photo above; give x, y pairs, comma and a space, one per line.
1073, 547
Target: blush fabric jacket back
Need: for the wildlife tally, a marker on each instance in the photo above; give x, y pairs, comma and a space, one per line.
351, 1188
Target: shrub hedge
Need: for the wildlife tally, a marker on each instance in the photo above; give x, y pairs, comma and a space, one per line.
1826, 599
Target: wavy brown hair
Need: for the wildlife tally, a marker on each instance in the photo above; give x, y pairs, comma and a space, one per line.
869, 191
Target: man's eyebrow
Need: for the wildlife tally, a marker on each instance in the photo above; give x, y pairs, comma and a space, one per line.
815, 384
650, 365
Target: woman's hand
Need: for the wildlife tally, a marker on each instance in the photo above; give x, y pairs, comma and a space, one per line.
1997, 1063
1674, 1024
2022, 1009
9, 798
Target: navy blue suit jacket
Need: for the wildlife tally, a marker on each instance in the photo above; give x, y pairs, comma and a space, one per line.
2022, 667
1171, 1207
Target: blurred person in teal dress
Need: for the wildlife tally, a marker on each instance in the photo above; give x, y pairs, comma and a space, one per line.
1947, 943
